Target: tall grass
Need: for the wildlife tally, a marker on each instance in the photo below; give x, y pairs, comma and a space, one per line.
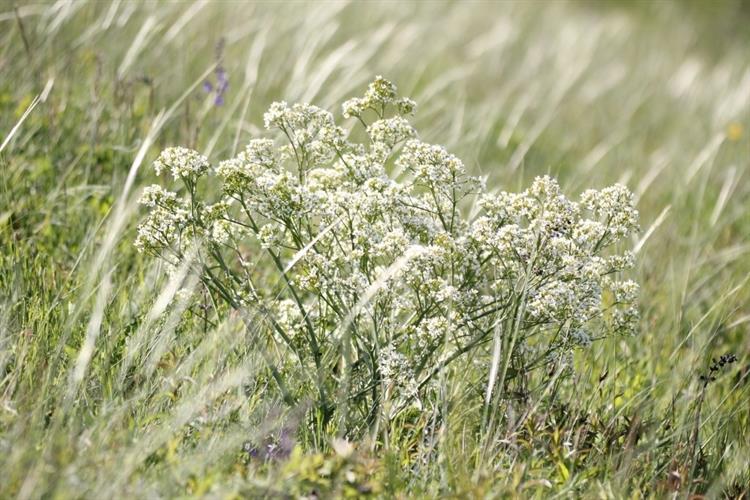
109, 384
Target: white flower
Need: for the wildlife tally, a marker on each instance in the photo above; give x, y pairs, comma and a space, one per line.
270, 235
621, 262
395, 371
406, 106
624, 291
261, 152
181, 162
221, 232
431, 163
380, 91
156, 195
311, 131
161, 228
353, 107
288, 316
391, 131
615, 206
342, 231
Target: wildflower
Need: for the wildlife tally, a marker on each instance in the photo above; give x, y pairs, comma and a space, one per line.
156, 195
311, 131
341, 231
734, 131
181, 162
395, 370
380, 92
353, 107
390, 131
616, 206
222, 80
431, 164
161, 229
624, 291
406, 106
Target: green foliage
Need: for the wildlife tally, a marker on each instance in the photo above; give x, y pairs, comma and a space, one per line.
341, 474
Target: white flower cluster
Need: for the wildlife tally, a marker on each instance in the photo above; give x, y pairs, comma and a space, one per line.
554, 246
165, 222
181, 162
391, 131
311, 131
380, 94
156, 196
395, 268
396, 372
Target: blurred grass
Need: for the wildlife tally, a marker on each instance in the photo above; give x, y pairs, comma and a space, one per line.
653, 94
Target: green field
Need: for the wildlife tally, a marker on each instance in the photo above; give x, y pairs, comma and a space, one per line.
115, 384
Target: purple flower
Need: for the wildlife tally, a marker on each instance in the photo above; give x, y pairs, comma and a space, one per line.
222, 80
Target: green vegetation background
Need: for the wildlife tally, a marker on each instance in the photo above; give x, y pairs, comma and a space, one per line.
653, 94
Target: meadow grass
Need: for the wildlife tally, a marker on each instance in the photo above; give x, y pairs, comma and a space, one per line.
111, 386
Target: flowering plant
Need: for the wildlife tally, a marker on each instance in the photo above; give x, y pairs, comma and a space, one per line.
380, 280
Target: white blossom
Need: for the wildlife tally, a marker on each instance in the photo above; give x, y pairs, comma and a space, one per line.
391, 131
182, 163
327, 221
156, 195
